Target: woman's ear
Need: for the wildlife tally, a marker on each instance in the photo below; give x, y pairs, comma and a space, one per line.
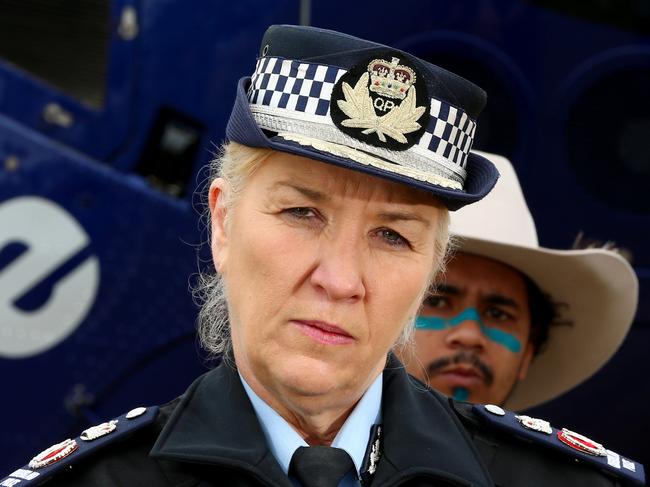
217, 197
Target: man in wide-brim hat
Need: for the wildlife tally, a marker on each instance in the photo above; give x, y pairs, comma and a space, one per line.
328, 221
514, 323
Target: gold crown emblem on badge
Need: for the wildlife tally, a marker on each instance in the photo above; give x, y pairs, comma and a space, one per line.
390, 79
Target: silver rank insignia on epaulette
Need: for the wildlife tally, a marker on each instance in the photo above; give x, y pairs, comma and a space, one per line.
18, 476
62, 456
98, 431
581, 443
579, 447
535, 424
53, 454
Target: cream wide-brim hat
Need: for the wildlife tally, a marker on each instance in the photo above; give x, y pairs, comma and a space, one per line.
597, 288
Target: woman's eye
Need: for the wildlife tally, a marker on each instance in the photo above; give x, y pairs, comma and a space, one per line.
435, 301
393, 238
300, 213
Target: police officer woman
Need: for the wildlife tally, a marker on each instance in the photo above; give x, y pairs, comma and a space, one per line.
328, 219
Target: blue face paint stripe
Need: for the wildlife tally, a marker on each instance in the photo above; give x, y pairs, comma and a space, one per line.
503, 338
430, 323
466, 315
460, 394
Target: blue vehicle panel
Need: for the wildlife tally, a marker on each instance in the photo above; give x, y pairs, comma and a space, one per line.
100, 186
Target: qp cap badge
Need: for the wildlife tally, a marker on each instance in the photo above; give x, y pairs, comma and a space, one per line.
380, 102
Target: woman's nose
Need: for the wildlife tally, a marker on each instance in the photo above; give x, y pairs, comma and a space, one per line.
338, 272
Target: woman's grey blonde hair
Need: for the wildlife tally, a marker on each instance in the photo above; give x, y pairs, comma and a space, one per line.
236, 163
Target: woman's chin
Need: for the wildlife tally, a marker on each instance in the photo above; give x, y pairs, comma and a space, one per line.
314, 376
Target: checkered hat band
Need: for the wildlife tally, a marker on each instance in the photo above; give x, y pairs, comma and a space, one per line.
450, 132
294, 85
306, 88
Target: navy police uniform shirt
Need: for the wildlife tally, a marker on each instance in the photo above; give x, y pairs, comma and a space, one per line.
210, 436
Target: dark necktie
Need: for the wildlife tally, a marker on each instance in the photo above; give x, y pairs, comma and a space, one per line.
320, 466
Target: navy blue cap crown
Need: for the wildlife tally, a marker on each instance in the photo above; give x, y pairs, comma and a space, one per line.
367, 107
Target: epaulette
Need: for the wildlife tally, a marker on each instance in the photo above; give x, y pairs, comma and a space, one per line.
70, 452
564, 441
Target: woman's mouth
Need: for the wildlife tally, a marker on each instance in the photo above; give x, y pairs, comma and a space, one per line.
325, 333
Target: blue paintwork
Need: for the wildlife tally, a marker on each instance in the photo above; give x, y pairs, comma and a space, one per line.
97, 133
143, 303
503, 338
137, 343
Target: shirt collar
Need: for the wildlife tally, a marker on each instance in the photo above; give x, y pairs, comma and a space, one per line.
213, 423
353, 436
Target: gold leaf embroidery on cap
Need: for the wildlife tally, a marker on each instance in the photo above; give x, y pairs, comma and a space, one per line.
358, 105
367, 159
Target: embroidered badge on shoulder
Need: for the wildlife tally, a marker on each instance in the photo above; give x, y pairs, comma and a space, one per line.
569, 443
378, 102
535, 424
72, 452
99, 430
581, 443
53, 454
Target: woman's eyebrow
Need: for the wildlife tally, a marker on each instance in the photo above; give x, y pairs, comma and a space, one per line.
312, 194
319, 197
393, 216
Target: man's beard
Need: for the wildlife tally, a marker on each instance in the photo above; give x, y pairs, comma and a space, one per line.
462, 357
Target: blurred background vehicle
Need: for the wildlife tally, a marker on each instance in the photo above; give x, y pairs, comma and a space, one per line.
110, 108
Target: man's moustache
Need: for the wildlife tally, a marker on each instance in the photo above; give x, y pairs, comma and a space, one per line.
462, 357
